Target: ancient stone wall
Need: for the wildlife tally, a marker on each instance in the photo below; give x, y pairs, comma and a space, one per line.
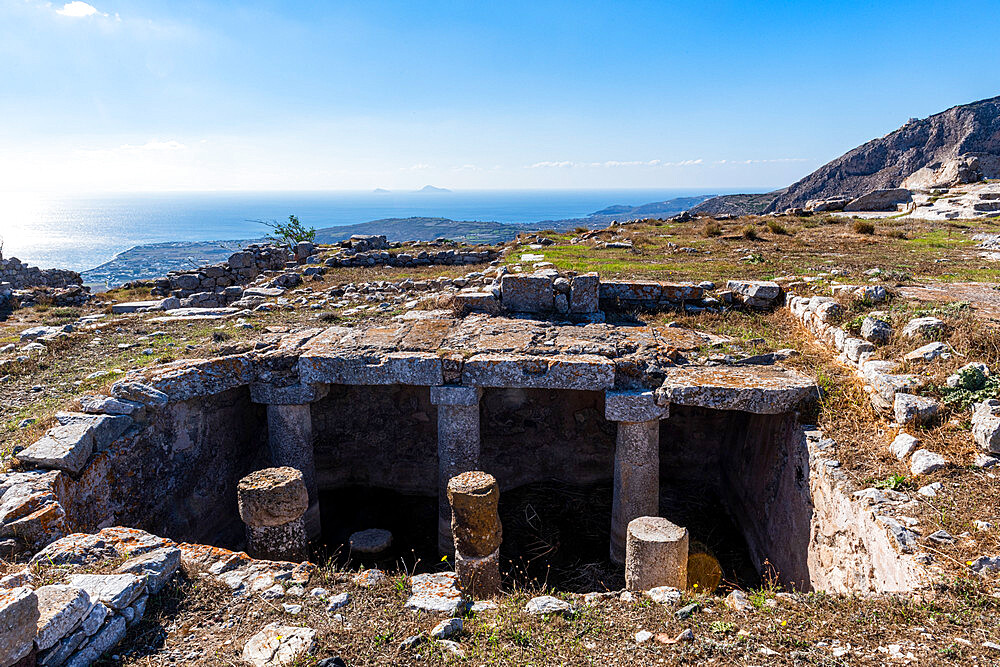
219, 284
177, 476
380, 436
20, 275
533, 435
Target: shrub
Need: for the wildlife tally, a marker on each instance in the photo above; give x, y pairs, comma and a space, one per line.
289, 233
863, 227
973, 387
776, 227
713, 229
750, 232
897, 234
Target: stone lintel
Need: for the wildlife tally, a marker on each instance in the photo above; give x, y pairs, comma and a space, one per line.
455, 395
341, 367
296, 394
633, 406
184, 380
766, 390
580, 372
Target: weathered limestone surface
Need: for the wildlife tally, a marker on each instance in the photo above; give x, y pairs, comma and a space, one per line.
278, 645
60, 608
761, 390
849, 550
656, 554
633, 406
527, 293
18, 619
437, 593
581, 372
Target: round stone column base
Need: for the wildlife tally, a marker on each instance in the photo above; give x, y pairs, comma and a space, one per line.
656, 553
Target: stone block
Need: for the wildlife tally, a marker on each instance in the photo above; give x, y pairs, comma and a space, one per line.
633, 406
117, 591
139, 392
455, 395
922, 327
880, 200
924, 462
296, 394
60, 608
109, 635
656, 554
110, 406
760, 389
337, 366
436, 593
986, 426
582, 372
856, 349
910, 409
527, 293
476, 302
272, 497
631, 292
584, 293
928, 352
278, 645
755, 293
875, 330
156, 567
18, 620
64, 448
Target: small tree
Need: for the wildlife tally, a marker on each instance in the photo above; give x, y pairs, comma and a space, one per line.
289, 233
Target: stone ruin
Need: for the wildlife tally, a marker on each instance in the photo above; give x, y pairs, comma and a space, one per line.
374, 250
219, 284
20, 284
197, 460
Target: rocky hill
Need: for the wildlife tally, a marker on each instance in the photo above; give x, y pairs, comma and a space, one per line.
970, 129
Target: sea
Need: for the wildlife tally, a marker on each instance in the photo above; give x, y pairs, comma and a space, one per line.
82, 232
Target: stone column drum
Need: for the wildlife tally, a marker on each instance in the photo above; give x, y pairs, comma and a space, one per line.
475, 524
290, 436
272, 503
656, 554
458, 447
637, 461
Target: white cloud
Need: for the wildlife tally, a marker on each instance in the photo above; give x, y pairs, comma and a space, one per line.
78, 9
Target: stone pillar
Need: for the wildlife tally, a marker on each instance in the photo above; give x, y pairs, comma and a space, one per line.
637, 461
475, 524
458, 446
273, 502
656, 554
290, 436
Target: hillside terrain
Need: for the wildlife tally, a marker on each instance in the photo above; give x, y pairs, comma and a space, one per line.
963, 132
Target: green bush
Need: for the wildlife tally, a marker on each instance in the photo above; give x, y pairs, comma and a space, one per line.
973, 387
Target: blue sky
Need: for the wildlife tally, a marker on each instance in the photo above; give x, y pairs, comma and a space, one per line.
130, 96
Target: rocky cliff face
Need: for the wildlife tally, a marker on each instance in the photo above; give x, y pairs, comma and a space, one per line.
970, 129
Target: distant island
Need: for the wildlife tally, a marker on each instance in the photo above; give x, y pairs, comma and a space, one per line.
431, 188
381, 191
